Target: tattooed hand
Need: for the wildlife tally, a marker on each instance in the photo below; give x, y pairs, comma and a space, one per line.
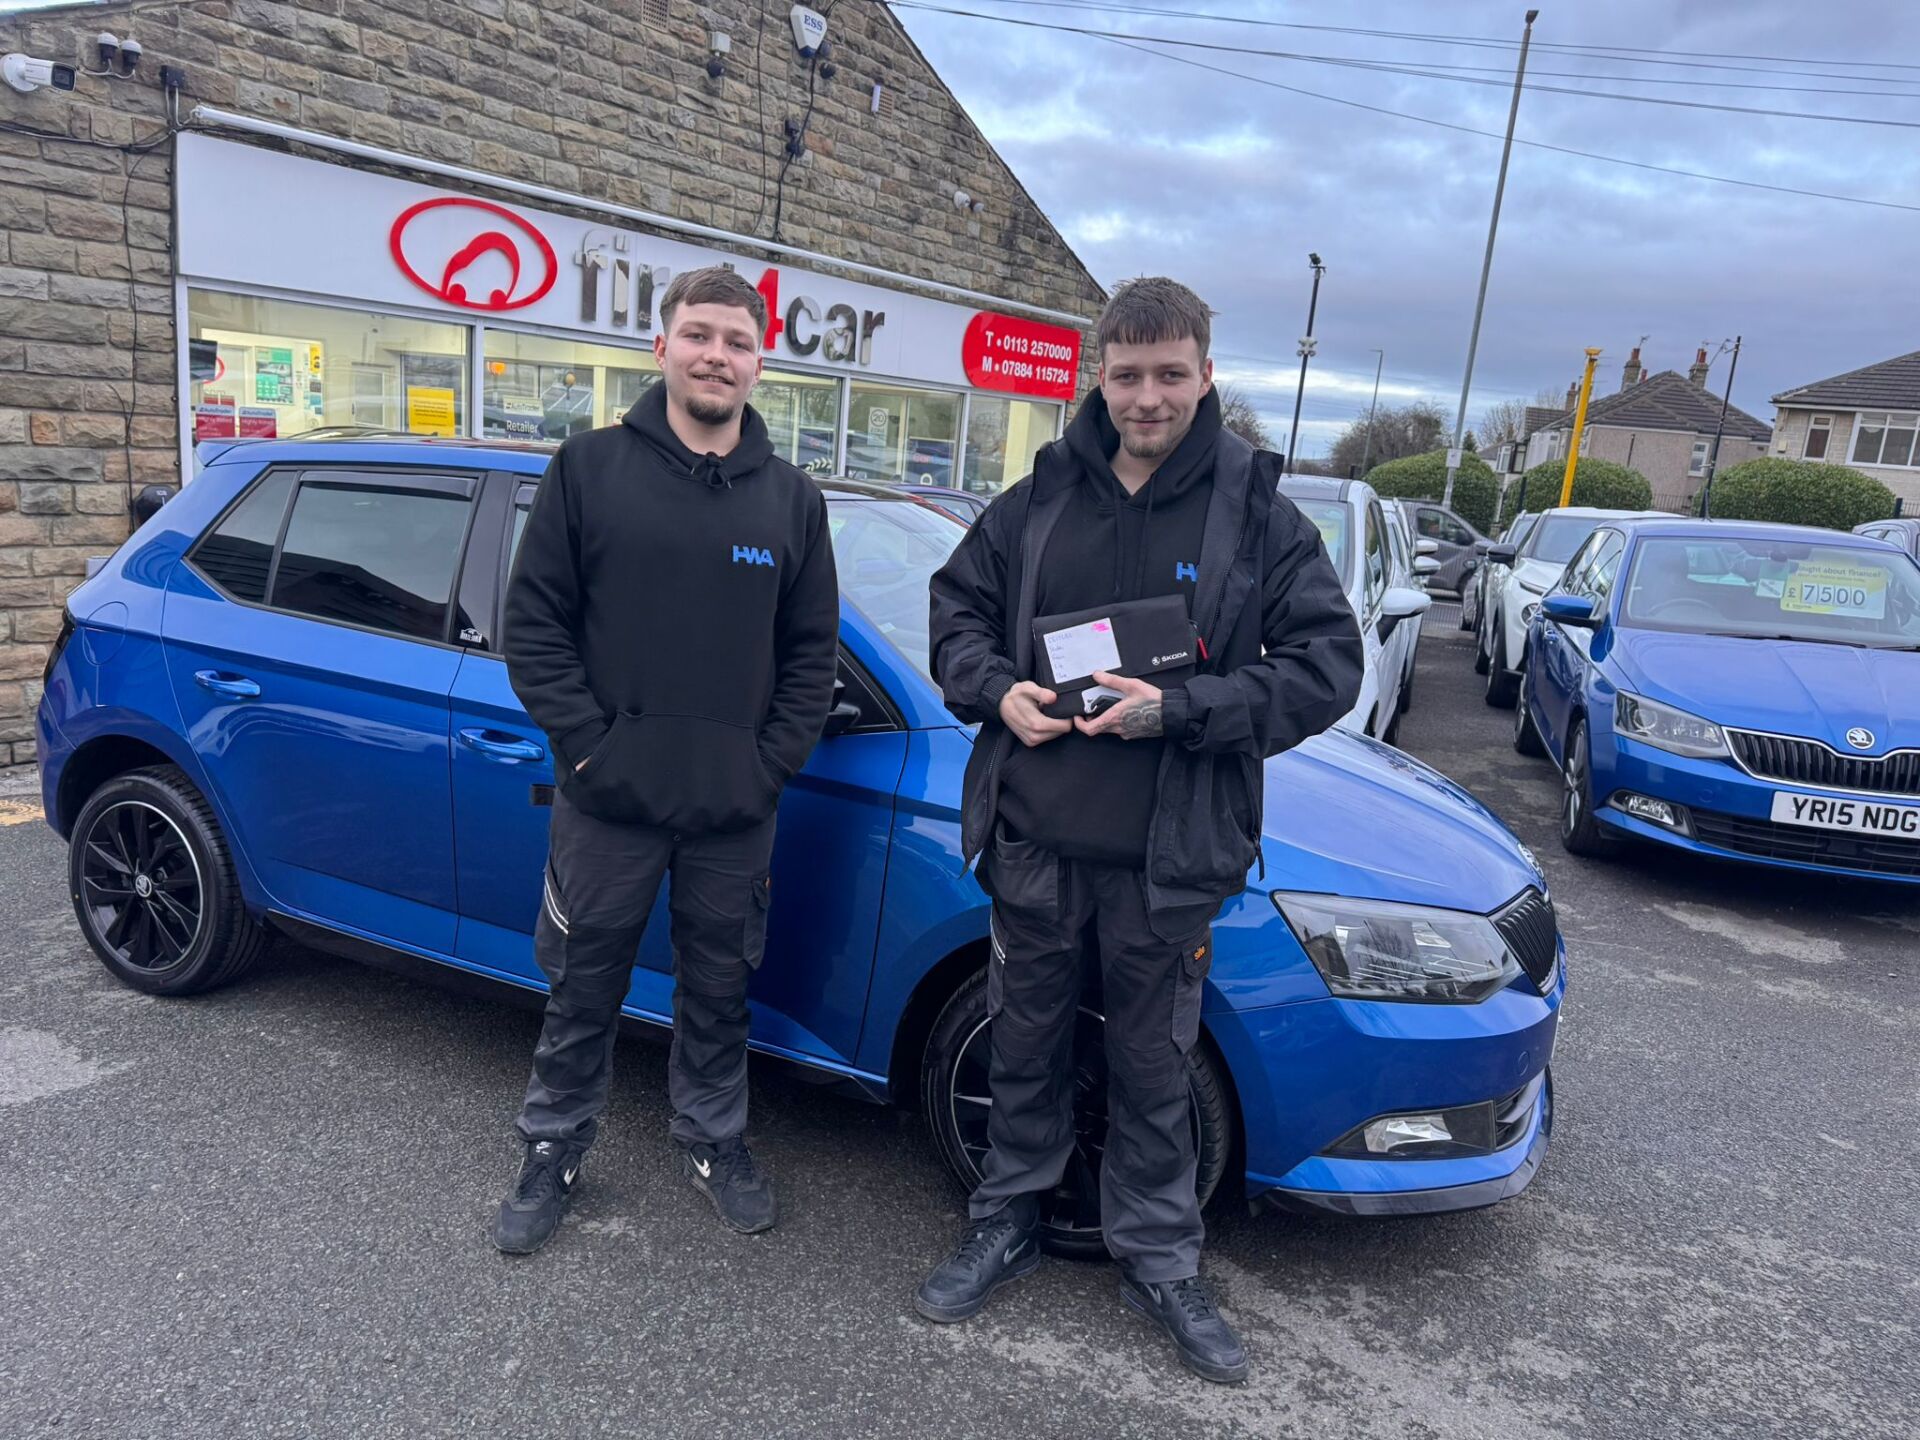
1135, 716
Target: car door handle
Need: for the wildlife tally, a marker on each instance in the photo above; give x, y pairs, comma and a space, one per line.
237, 686
502, 749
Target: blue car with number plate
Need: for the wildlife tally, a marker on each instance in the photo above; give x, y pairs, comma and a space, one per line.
1745, 691
281, 707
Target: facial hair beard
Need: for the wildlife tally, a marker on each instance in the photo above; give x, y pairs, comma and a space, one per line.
710, 412
1144, 449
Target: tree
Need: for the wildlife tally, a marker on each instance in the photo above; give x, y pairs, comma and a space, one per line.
1505, 421
1798, 492
1469, 445
1424, 477
1398, 431
1239, 416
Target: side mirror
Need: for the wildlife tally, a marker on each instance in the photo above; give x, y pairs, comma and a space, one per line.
1426, 547
1501, 554
147, 503
1575, 610
840, 719
1401, 603
1425, 565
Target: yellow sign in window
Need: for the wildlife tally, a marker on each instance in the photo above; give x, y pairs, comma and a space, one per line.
430, 411
1823, 589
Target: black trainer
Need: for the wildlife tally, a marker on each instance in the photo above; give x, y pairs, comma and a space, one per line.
727, 1175
529, 1216
1000, 1248
1185, 1310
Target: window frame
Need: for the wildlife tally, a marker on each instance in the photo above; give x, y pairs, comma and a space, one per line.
1702, 453
1888, 420
462, 484
1374, 534
1824, 425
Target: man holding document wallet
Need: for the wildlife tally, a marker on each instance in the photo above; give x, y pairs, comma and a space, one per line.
1136, 626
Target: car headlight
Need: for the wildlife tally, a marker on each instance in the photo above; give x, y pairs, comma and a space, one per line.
1380, 950
1667, 728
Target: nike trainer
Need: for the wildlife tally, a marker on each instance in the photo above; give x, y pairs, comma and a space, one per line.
726, 1174
529, 1216
1185, 1310
1002, 1247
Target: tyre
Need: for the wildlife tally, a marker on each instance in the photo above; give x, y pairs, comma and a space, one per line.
954, 1098
1480, 647
1502, 683
1580, 833
154, 889
1469, 613
1406, 693
1526, 738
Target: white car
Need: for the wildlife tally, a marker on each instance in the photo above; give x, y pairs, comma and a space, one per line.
1530, 571
1357, 535
1414, 562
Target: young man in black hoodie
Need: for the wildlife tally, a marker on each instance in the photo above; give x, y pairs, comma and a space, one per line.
1137, 823
672, 623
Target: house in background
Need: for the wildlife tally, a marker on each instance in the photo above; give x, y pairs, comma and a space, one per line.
1866, 418
1661, 425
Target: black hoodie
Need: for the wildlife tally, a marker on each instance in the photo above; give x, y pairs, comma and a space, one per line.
1091, 797
673, 619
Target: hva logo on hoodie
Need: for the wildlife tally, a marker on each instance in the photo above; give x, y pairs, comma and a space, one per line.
751, 555
1186, 570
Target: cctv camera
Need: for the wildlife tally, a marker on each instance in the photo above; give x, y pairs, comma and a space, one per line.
26, 74
130, 53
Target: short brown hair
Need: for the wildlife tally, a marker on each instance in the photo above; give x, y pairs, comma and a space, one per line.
713, 285
1152, 309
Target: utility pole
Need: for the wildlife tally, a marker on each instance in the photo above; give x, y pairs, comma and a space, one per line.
1579, 425
1306, 354
1713, 458
1366, 452
1486, 265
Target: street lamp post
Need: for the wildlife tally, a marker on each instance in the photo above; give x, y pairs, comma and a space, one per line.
1306, 354
1486, 265
1366, 452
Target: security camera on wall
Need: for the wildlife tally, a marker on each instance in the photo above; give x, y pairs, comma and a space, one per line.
809, 30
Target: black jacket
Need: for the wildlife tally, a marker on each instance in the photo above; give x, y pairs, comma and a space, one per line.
674, 620
1284, 661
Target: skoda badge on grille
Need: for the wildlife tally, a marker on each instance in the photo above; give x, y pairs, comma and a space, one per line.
1859, 738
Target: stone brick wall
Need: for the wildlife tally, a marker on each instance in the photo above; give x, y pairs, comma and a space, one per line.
576, 94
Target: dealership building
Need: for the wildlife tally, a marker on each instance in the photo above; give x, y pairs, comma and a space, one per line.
459, 220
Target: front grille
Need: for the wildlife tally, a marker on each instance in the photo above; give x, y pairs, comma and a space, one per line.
1808, 762
1532, 932
1874, 854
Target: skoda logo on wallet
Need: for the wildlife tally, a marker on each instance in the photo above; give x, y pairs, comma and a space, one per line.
472, 253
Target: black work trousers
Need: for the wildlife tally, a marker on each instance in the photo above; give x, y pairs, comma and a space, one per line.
1152, 986
601, 883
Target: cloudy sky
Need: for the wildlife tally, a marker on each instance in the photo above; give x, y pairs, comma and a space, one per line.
1149, 165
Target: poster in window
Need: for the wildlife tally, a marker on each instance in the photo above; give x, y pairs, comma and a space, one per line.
430, 410
213, 418
930, 462
272, 375
518, 417
815, 450
258, 422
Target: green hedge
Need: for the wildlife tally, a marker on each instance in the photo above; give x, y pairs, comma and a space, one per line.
1799, 492
1424, 477
1599, 483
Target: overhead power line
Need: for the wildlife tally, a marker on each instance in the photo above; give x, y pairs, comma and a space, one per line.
1411, 70
1491, 135
1482, 41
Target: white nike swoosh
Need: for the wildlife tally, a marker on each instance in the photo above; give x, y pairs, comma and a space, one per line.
704, 1167
567, 1179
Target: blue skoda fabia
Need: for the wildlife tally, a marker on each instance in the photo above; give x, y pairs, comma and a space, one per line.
1749, 692
281, 707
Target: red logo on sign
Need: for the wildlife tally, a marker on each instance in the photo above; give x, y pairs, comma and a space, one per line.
1023, 357
478, 254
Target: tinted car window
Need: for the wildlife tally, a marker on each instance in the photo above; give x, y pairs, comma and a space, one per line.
1376, 556
375, 557
1556, 537
238, 553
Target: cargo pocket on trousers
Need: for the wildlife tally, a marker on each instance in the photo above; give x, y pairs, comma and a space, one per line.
996, 968
1189, 983
753, 941
1023, 876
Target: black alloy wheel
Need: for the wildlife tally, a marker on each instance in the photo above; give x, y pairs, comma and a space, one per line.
154, 887
956, 1101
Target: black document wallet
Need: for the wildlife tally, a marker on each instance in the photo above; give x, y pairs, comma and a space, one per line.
1151, 639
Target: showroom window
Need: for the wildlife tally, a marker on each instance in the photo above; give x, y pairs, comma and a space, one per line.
265, 368
898, 434
803, 417
1002, 438
537, 388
